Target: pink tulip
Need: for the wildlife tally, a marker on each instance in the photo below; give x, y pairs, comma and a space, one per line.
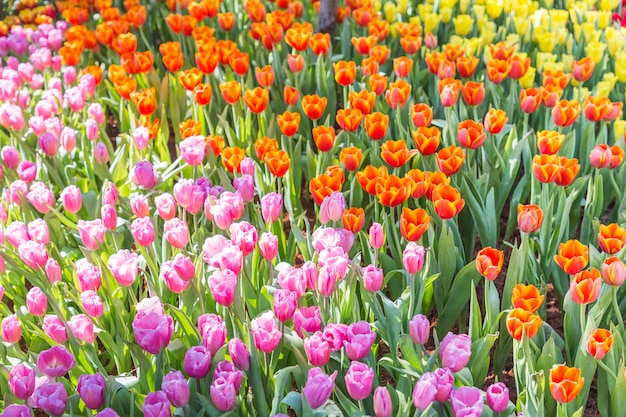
72, 199
176, 232
455, 351
359, 340
53, 270
56, 361
22, 381
91, 389
101, 154
49, 144
54, 328
51, 398
82, 328
109, 216
17, 233
110, 195
176, 388
359, 380
17, 410
124, 265
413, 258
183, 192
307, 319
193, 150
601, 156
498, 397
68, 139
144, 175
419, 329
326, 280
10, 157
265, 332
92, 303
290, 278
613, 271
27, 171
271, 207
89, 275
95, 112
445, 382
166, 206
33, 254
268, 246
74, 99
245, 186
223, 394
40, 197
318, 387
141, 137
335, 335
383, 406
140, 206
246, 166
239, 354
317, 349
38, 231
150, 305
213, 332
227, 370
17, 191
91, 233
184, 267
152, 332
143, 231
466, 401
285, 304
244, 235
197, 362
222, 285
69, 75
36, 301
425, 391
372, 278
156, 404
174, 283
332, 208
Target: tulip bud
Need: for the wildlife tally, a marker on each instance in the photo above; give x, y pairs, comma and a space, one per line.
318, 387
377, 236
372, 278
140, 206
359, 380
156, 404
91, 390
22, 381
36, 302
176, 388
239, 354
455, 351
498, 397
11, 329
425, 391
413, 258
166, 206
51, 398
419, 329
72, 199
223, 394
197, 362
383, 406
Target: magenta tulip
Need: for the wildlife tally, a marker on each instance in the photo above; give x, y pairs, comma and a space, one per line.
359, 380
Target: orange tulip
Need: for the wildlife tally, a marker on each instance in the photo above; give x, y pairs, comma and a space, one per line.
546, 167
447, 201
202, 94
153, 128
522, 323
473, 93
376, 125
413, 223
264, 76
296, 63
125, 43
434, 180
256, 99
231, 91
345, 72
314, 106
363, 100
572, 256
530, 99
289, 122
369, 66
264, 145
215, 144
568, 171
278, 162
349, 119
189, 128
615, 111
353, 219
549, 142
402, 66
427, 139
565, 383
497, 70
582, 69
471, 134
611, 238
450, 160
529, 217
370, 176
351, 158
526, 297
585, 286
489, 262
226, 21
617, 156
599, 343
380, 52
411, 44
324, 185
421, 114
324, 138
104, 34
433, 61
71, 52
378, 28
232, 157
419, 182
396, 153
555, 77
550, 95
596, 109
519, 66
453, 52
408, 29
94, 70
495, 120
447, 69
449, 90
363, 15
392, 190
363, 44
320, 43
125, 87
190, 78
298, 38
613, 271
239, 62
377, 83
466, 66
501, 51
206, 62
291, 95
145, 101
398, 93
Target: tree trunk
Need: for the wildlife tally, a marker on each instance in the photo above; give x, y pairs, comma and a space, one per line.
328, 17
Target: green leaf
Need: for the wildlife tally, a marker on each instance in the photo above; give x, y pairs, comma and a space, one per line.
459, 297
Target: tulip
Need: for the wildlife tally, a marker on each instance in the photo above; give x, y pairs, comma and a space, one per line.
109, 216
239, 354
359, 379
244, 235
572, 256
271, 207
176, 388
489, 262
383, 406
124, 266
419, 329
92, 303
71, 198
193, 150
359, 340
335, 335
455, 351
611, 238
526, 297
413, 258
33, 254
89, 275
585, 286
156, 404
144, 175
36, 301
17, 410
529, 217
307, 319
445, 382
176, 233
372, 278
268, 246
197, 362
51, 398
150, 305
565, 383
152, 332
227, 370
222, 285
285, 304
223, 394
498, 397
11, 329
265, 332
184, 267
520, 323
613, 271
91, 389
140, 206
318, 387
599, 343
54, 328
317, 349
425, 391
466, 401
22, 381
142, 230
495, 120
91, 233
82, 328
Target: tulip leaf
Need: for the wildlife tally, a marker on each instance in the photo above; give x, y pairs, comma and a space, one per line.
282, 381
346, 403
480, 359
618, 399
446, 260
411, 352
459, 297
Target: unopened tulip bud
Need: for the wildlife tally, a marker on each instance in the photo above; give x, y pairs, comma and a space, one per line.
419, 329
377, 236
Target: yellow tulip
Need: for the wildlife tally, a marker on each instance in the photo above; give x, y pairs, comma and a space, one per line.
603, 89
610, 78
595, 51
591, 4
393, 29
591, 16
463, 24
546, 41
604, 19
479, 12
416, 20
584, 93
590, 32
431, 22
447, 3
519, 10
494, 8
474, 46
487, 32
391, 12
609, 5
424, 9
549, 4
620, 67
521, 25
378, 5
402, 6
528, 80
533, 7
446, 14
479, 2
618, 129
578, 31
544, 58
559, 17
464, 5
615, 41
567, 61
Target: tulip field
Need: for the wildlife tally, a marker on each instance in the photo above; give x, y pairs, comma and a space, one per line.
226, 208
